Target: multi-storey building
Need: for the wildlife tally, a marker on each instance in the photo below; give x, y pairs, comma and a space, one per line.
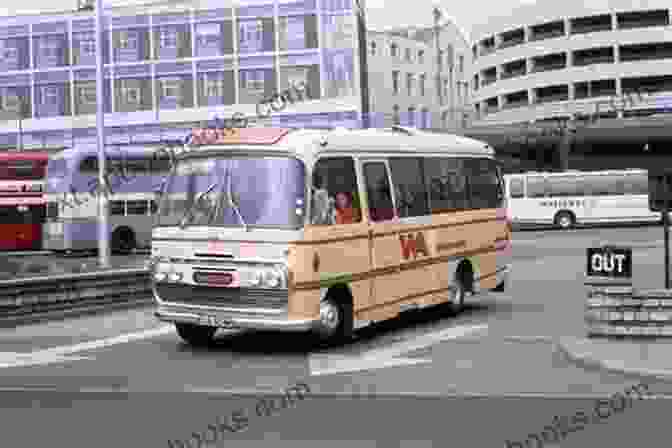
413, 83
168, 68
555, 59
175, 67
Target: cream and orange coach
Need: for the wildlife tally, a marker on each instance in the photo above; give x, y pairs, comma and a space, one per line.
325, 230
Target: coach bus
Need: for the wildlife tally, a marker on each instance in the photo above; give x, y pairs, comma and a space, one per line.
133, 177
22, 204
325, 231
572, 198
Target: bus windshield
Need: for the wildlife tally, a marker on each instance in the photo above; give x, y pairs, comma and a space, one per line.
260, 192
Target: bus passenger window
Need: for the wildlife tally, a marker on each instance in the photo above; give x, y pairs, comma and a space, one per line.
381, 206
516, 188
447, 184
136, 207
536, 187
334, 192
116, 207
484, 184
409, 186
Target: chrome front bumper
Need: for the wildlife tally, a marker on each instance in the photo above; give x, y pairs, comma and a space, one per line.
237, 320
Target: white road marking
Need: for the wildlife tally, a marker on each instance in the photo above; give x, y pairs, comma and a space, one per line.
325, 364
64, 353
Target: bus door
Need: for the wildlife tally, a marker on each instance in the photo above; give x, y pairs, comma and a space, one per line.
337, 236
391, 256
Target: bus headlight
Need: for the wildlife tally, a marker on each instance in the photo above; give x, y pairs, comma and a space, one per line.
175, 276
160, 276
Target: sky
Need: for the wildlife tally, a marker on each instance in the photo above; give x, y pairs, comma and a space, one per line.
381, 14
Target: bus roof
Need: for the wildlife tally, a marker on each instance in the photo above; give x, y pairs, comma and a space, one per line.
302, 142
111, 151
28, 155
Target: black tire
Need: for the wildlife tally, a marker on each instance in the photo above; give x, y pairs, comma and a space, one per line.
458, 294
196, 335
335, 321
500, 287
564, 220
123, 240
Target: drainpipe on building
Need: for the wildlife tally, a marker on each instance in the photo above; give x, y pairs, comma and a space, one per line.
363, 65
437, 16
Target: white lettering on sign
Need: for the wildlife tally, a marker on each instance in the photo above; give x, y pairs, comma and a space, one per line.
604, 263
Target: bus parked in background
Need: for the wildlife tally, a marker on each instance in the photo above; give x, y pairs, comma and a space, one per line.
325, 230
134, 176
579, 197
22, 203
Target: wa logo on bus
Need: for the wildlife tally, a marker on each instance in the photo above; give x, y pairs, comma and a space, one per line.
412, 245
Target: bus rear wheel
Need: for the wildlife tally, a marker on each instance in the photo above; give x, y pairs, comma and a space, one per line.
564, 220
196, 335
123, 240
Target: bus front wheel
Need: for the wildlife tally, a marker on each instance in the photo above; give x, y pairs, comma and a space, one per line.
564, 220
123, 240
196, 335
335, 320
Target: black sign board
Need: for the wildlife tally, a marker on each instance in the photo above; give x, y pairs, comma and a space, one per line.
611, 262
660, 189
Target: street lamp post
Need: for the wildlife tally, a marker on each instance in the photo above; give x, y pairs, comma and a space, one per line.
103, 228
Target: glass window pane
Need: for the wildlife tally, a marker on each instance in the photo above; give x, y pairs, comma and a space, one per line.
116, 207
484, 184
335, 198
636, 184
381, 206
566, 186
447, 184
136, 207
409, 185
516, 188
536, 187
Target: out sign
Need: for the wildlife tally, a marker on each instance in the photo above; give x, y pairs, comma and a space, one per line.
614, 262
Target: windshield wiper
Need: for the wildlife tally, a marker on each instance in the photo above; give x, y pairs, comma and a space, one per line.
189, 212
232, 203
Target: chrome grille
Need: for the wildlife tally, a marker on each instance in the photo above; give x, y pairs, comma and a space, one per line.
228, 297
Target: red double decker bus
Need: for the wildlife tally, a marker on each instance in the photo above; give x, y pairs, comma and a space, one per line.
22, 202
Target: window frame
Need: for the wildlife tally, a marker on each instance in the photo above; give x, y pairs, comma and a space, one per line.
388, 173
423, 177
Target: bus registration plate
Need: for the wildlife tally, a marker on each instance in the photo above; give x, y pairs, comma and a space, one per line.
215, 321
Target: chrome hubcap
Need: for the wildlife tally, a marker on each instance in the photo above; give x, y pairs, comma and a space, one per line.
564, 221
329, 315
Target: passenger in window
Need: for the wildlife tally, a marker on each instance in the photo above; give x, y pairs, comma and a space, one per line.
382, 209
346, 212
322, 205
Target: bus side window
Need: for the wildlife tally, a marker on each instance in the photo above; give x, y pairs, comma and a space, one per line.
334, 192
516, 188
536, 187
447, 184
636, 184
136, 207
381, 206
117, 208
483, 183
410, 189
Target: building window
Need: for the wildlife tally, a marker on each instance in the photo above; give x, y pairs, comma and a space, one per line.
460, 66
408, 55
131, 95
170, 88
255, 81
395, 115
409, 83
421, 56
11, 102
87, 44
449, 56
214, 87
49, 95
411, 116
128, 40
440, 59
445, 88
395, 82
394, 51
208, 35
373, 48
87, 95
168, 38
423, 78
